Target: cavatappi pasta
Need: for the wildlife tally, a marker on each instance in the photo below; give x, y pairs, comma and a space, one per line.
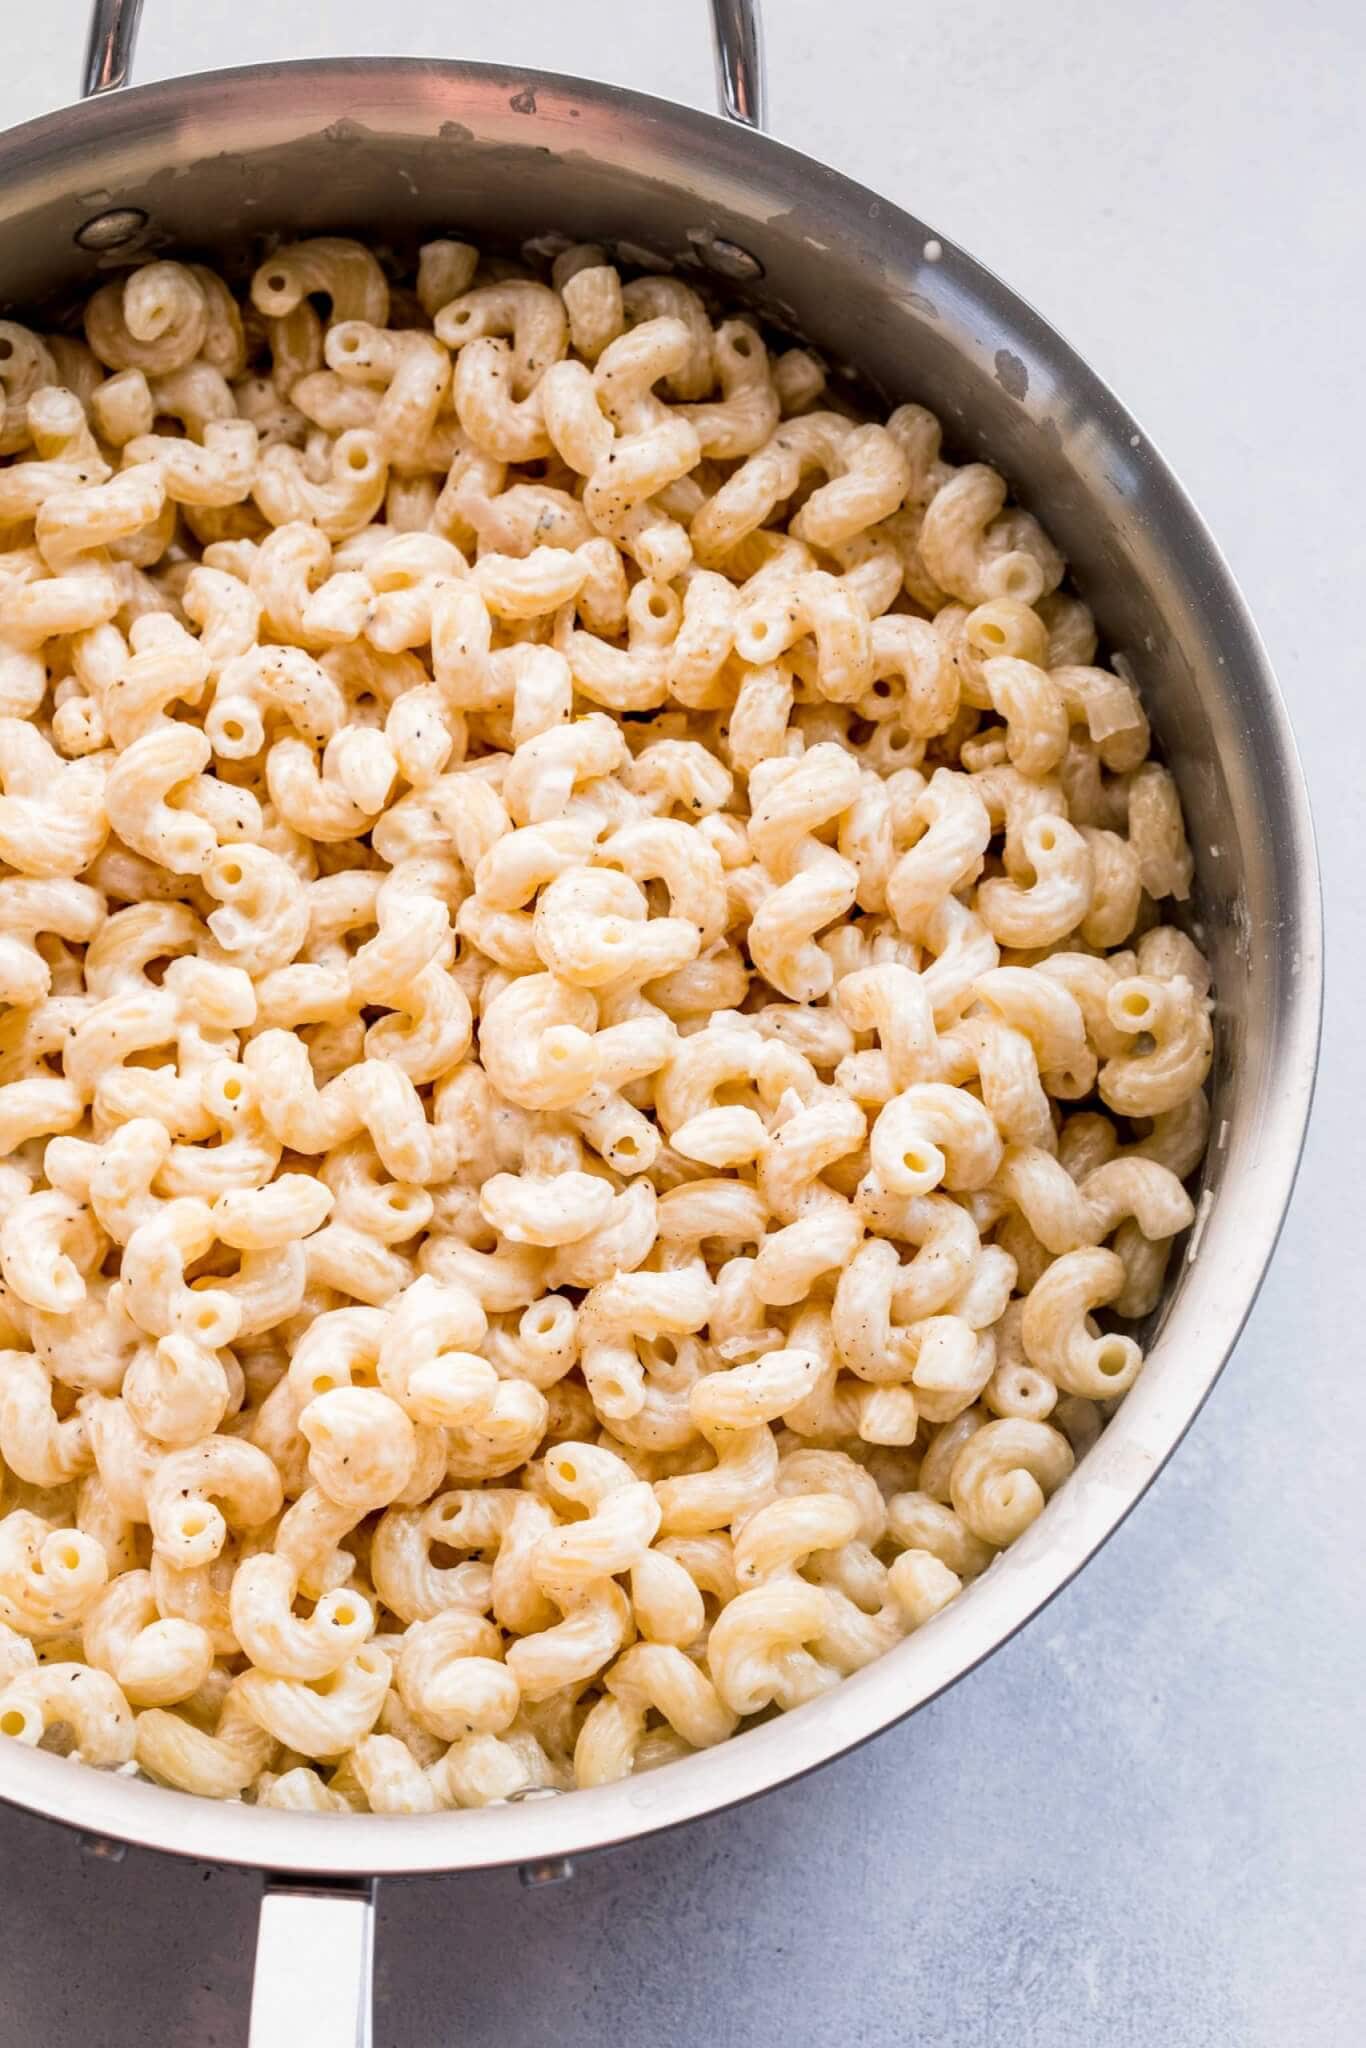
589, 1022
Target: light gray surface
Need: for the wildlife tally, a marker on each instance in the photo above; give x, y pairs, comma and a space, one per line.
1141, 1823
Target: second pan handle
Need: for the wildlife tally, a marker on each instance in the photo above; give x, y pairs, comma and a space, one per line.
314, 1950
736, 32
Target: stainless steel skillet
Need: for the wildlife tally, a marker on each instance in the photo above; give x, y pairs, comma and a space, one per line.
392, 149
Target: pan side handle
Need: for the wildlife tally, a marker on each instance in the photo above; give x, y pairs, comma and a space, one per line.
738, 37
314, 1950
736, 33
109, 46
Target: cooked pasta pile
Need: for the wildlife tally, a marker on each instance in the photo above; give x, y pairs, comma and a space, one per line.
588, 1022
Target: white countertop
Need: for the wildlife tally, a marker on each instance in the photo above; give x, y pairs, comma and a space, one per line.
1140, 1824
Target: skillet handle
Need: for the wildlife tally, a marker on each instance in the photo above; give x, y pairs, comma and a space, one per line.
109, 45
741, 85
314, 1948
736, 32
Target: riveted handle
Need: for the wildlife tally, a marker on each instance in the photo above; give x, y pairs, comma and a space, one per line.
109, 45
741, 86
314, 1952
736, 32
